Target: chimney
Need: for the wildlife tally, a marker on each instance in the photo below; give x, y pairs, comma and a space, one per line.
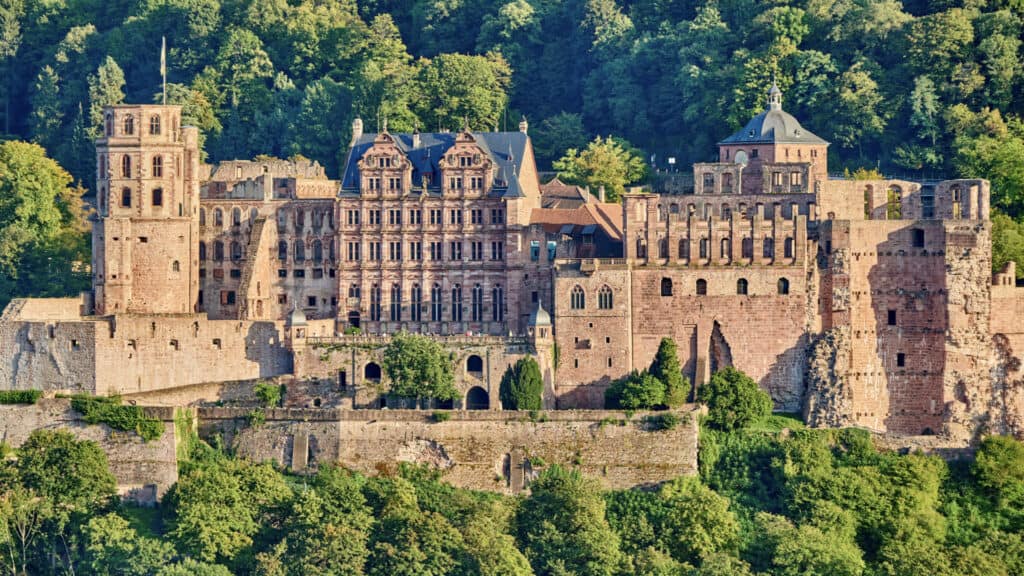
587, 197
357, 130
416, 138
524, 125
600, 193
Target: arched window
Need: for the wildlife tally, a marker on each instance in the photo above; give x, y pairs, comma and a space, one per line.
282, 250
353, 290
704, 247
372, 372
783, 286
202, 251
457, 303
300, 251
666, 286
673, 208
175, 266
158, 166
578, 298
218, 251
236, 250
604, 298
318, 251
158, 196
641, 248
435, 303
236, 216
396, 303
768, 251
126, 166
416, 300
477, 309
726, 248
787, 248
129, 125
894, 204
202, 216
741, 286
702, 287
498, 304
218, 217
375, 303
475, 365
154, 124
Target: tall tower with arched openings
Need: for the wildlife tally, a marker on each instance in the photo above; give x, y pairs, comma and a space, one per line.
145, 238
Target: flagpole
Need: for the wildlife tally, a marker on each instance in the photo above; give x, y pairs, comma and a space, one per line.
163, 65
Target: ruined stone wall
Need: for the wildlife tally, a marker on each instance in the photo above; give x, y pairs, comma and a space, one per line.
145, 353
496, 451
57, 355
354, 366
144, 470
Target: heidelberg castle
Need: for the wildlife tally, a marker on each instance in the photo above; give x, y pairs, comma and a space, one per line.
860, 303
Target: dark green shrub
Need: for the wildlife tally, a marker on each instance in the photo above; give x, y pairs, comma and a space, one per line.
734, 400
442, 416
666, 368
269, 394
256, 418
666, 421
20, 396
522, 386
109, 410
638, 391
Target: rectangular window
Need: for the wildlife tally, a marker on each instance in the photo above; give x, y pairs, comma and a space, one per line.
394, 184
776, 178
497, 250
455, 251
796, 178
534, 250
455, 182
892, 317
375, 251
476, 183
901, 360
435, 251
353, 251
126, 198
318, 273
227, 297
236, 273
374, 217
218, 273
373, 183
394, 217
416, 251
476, 250
282, 273
415, 217
282, 298
394, 250
299, 273
497, 216
552, 246
456, 217
476, 216
353, 217
435, 216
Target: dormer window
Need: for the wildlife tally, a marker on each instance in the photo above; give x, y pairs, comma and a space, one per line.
464, 161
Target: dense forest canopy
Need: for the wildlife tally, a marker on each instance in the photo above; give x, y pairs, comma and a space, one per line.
907, 86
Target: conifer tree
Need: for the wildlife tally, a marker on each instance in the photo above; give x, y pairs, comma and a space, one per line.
106, 87
667, 369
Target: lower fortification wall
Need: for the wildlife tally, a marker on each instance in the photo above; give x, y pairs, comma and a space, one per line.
484, 450
144, 470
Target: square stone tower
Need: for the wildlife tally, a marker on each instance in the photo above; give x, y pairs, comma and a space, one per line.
145, 238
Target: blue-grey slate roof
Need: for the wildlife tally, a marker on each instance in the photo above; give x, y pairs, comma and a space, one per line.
773, 126
506, 150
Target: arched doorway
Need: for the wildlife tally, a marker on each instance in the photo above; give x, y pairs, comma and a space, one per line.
372, 372
477, 399
353, 319
475, 366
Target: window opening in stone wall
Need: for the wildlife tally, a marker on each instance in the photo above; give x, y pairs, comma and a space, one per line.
158, 166
783, 286
282, 250
300, 251
702, 287
666, 286
894, 204
311, 301
892, 317
435, 303
604, 298
475, 365
396, 303
901, 360
663, 248
726, 212
787, 248
218, 217
957, 199
158, 197
918, 238
726, 249
375, 303
768, 248
741, 286
176, 266
108, 125
126, 197
641, 248
154, 125
927, 206
236, 251
703, 247
372, 372
126, 166
867, 202
684, 249
578, 299
236, 216
457, 303
129, 125
498, 306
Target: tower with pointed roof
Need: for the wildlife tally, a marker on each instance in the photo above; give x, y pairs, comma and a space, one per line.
774, 137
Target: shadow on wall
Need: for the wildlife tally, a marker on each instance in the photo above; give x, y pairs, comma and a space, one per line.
263, 346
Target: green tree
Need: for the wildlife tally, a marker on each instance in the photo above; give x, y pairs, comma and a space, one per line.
697, 522
667, 369
213, 516
190, 567
455, 89
557, 134
562, 527
91, 487
606, 162
106, 88
1007, 243
522, 386
113, 547
734, 400
47, 114
321, 544
808, 550
419, 367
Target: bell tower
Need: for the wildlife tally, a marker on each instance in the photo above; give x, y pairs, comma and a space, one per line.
146, 234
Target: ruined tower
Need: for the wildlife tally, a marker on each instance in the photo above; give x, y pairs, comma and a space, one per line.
145, 238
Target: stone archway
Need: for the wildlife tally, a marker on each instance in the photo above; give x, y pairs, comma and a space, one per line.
475, 366
372, 372
477, 399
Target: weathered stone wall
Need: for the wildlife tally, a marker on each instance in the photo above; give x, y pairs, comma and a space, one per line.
497, 451
144, 470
